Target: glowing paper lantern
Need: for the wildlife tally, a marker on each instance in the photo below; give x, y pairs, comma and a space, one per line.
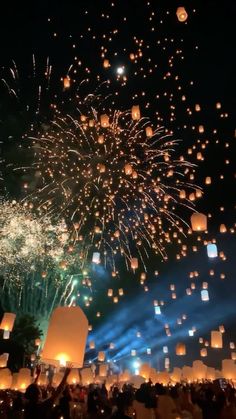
145, 371
212, 251
181, 14
198, 221
5, 379
110, 292
203, 352
24, 379
135, 112
157, 310
208, 180
228, 369
96, 258
199, 370
187, 373
149, 131
37, 342
91, 344
233, 356
66, 82
57, 377
222, 329
104, 119
176, 375
43, 379
134, 263
211, 374
128, 169
204, 295
133, 352
101, 356
7, 322
63, 343
223, 228
216, 339
121, 291
205, 285
103, 370
232, 345
180, 349
3, 360
182, 194
106, 63
86, 376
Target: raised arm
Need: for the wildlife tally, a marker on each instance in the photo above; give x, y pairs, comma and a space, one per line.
62, 384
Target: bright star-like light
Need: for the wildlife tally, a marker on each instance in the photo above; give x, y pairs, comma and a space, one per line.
120, 70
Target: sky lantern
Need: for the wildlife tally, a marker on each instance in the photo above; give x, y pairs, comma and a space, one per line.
208, 180
180, 349
187, 373
63, 345
203, 352
232, 345
133, 352
211, 374
199, 370
43, 379
212, 251
106, 63
24, 379
66, 82
3, 360
101, 356
135, 112
176, 375
103, 369
223, 228
128, 169
233, 356
181, 14
100, 139
121, 291
198, 221
216, 339
96, 258
204, 295
145, 371
7, 322
104, 119
201, 129
222, 328
228, 369
182, 194
134, 263
5, 379
86, 376
91, 344
110, 292
149, 131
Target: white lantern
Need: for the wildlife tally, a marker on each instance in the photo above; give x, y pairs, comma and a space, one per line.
63, 344
86, 376
212, 250
204, 295
216, 339
203, 352
101, 356
96, 258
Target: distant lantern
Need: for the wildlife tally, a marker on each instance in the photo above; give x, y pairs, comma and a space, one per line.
182, 194
149, 131
96, 258
101, 356
104, 120
223, 228
233, 356
165, 349
198, 221
143, 276
218, 105
103, 369
110, 292
203, 352
106, 63
121, 291
197, 107
135, 112
7, 322
128, 169
134, 263
115, 299
62, 344
73, 377
212, 251
149, 351
24, 379
157, 310
180, 349
66, 82
100, 139
3, 360
101, 167
232, 345
205, 285
112, 345
181, 13
37, 342
91, 344
86, 376
199, 370
199, 156
201, 129
204, 295
222, 329
133, 352
216, 339
208, 180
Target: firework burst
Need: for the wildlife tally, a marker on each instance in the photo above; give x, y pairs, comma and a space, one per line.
116, 178
39, 266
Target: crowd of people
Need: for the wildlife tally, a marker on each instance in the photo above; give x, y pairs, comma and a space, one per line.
182, 401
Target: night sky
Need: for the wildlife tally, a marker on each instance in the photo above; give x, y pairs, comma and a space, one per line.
64, 30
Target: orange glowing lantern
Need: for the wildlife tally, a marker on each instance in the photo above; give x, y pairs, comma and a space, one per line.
180, 349
135, 113
7, 322
181, 14
104, 121
198, 221
62, 344
216, 339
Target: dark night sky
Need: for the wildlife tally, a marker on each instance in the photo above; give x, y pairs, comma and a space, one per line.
24, 30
